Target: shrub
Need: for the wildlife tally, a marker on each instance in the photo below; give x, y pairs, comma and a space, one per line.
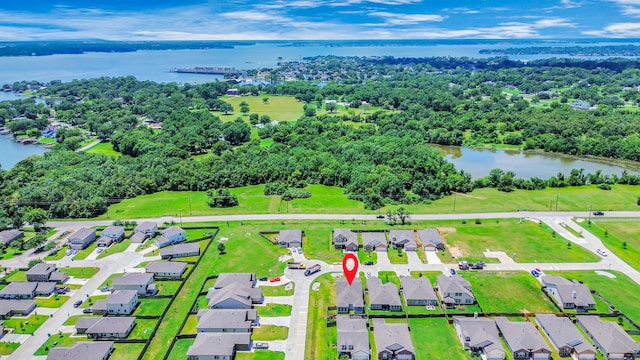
221, 198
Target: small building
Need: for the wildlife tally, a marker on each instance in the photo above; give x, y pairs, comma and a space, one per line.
168, 269
454, 290
611, 339
145, 230
565, 337
353, 338
180, 250
431, 239
114, 232
170, 236
393, 340
234, 291
120, 302
85, 350
227, 321
27, 290
418, 292
82, 238
44, 272
349, 297
140, 282
232, 92
405, 239
345, 239
116, 327
7, 236
208, 346
383, 296
290, 239
374, 241
523, 339
480, 337
226, 279
569, 294
8, 308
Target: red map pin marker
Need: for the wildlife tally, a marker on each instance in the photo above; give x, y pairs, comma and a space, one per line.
350, 267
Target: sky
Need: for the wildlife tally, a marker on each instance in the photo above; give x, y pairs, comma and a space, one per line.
317, 19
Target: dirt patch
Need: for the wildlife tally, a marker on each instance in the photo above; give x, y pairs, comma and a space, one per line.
455, 252
447, 230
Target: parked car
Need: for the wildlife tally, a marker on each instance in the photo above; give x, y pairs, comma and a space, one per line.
535, 273
275, 279
452, 271
478, 266
105, 289
463, 265
598, 213
87, 310
368, 262
602, 252
69, 252
380, 217
100, 249
77, 304
261, 345
264, 278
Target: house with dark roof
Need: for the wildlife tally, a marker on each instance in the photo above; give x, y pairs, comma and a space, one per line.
345, 239
383, 296
82, 350
110, 327
180, 250
405, 239
226, 279
454, 290
374, 241
353, 338
523, 339
110, 235
8, 308
431, 239
119, 302
82, 238
418, 292
349, 297
609, 337
145, 230
27, 290
227, 320
569, 294
290, 238
167, 269
44, 272
565, 337
234, 291
170, 236
393, 340
479, 336
140, 282
7, 236
209, 346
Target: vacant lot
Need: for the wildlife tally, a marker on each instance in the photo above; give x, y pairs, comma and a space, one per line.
622, 237
279, 108
436, 339
104, 148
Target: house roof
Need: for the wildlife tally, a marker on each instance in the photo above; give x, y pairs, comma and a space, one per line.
290, 236
133, 279
238, 292
417, 289
611, 337
350, 236
430, 236
42, 269
225, 279
406, 237
45, 286
570, 291
481, 332
180, 249
83, 233
454, 284
7, 236
146, 226
174, 230
166, 267
521, 335
226, 319
113, 230
19, 288
82, 350
563, 332
58, 276
373, 239
138, 237
383, 293
391, 336
121, 297
8, 306
87, 322
349, 294
111, 325
220, 344
352, 332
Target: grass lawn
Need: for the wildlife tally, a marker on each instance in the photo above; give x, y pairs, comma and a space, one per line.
279, 108
104, 148
115, 248
109, 280
151, 307
92, 300
437, 340
9, 253
180, 348
143, 329
72, 320
274, 310
270, 332
397, 256
364, 256
191, 326
168, 287
25, 325
260, 355
57, 255
7, 348
16, 275
614, 235
123, 351
62, 340
508, 291
321, 340
389, 276
54, 301
81, 272
82, 254
278, 290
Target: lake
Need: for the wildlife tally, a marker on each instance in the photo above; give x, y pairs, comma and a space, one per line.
479, 162
12, 152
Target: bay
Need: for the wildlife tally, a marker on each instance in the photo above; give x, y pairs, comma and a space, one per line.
12, 152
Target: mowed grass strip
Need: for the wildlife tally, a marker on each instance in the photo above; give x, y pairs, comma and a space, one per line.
321, 340
282, 290
124, 351
437, 340
260, 355
151, 307
620, 237
179, 351
279, 108
104, 148
270, 332
274, 310
80, 272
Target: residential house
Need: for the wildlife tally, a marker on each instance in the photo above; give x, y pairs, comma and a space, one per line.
180, 250
170, 236
27, 290
405, 239
169, 269
569, 294
8, 308
349, 297
393, 340
227, 320
581, 105
82, 238
7, 236
110, 235
523, 339
140, 282
431, 239
383, 296
226, 279
418, 292
85, 350
454, 290
345, 239
565, 337
111, 327
234, 291
612, 341
480, 337
119, 302
223, 346
374, 241
353, 338
44, 272
145, 230
290, 238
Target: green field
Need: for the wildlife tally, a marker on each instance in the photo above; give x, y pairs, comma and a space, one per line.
16, 275
124, 351
436, 339
151, 307
82, 254
104, 148
270, 332
614, 234
7, 348
25, 325
179, 351
72, 320
274, 310
279, 108
80, 272
143, 329
58, 340
321, 340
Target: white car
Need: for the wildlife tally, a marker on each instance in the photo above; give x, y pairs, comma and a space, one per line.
601, 252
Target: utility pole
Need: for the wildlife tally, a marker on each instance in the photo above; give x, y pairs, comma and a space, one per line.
189, 204
557, 196
589, 221
455, 195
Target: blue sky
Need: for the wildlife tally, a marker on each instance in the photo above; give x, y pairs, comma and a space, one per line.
317, 19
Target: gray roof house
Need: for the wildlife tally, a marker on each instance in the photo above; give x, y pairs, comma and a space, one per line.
171, 269
392, 340
349, 297
27, 290
523, 339
180, 250
431, 239
290, 238
374, 241
454, 290
82, 350
117, 327
171, 235
227, 320
209, 346
383, 296
7, 236
345, 239
140, 282
569, 294
82, 238
226, 279
104, 241
353, 338
565, 337
46, 272
609, 338
8, 308
114, 232
405, 239
145, 230
119, 302
418, 292
480, 337
234, 296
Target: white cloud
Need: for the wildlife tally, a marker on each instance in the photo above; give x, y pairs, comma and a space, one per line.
405, 19
617, 30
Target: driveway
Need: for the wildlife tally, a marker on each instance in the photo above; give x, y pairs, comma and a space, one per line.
432, 257
275, 320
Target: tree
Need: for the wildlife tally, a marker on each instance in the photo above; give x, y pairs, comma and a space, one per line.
265, 100
221, 198
35, 241
244, 107
226, 108
624, 245
391, 217
16, 245
331, 106
37, 218
403, 214
221, 248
